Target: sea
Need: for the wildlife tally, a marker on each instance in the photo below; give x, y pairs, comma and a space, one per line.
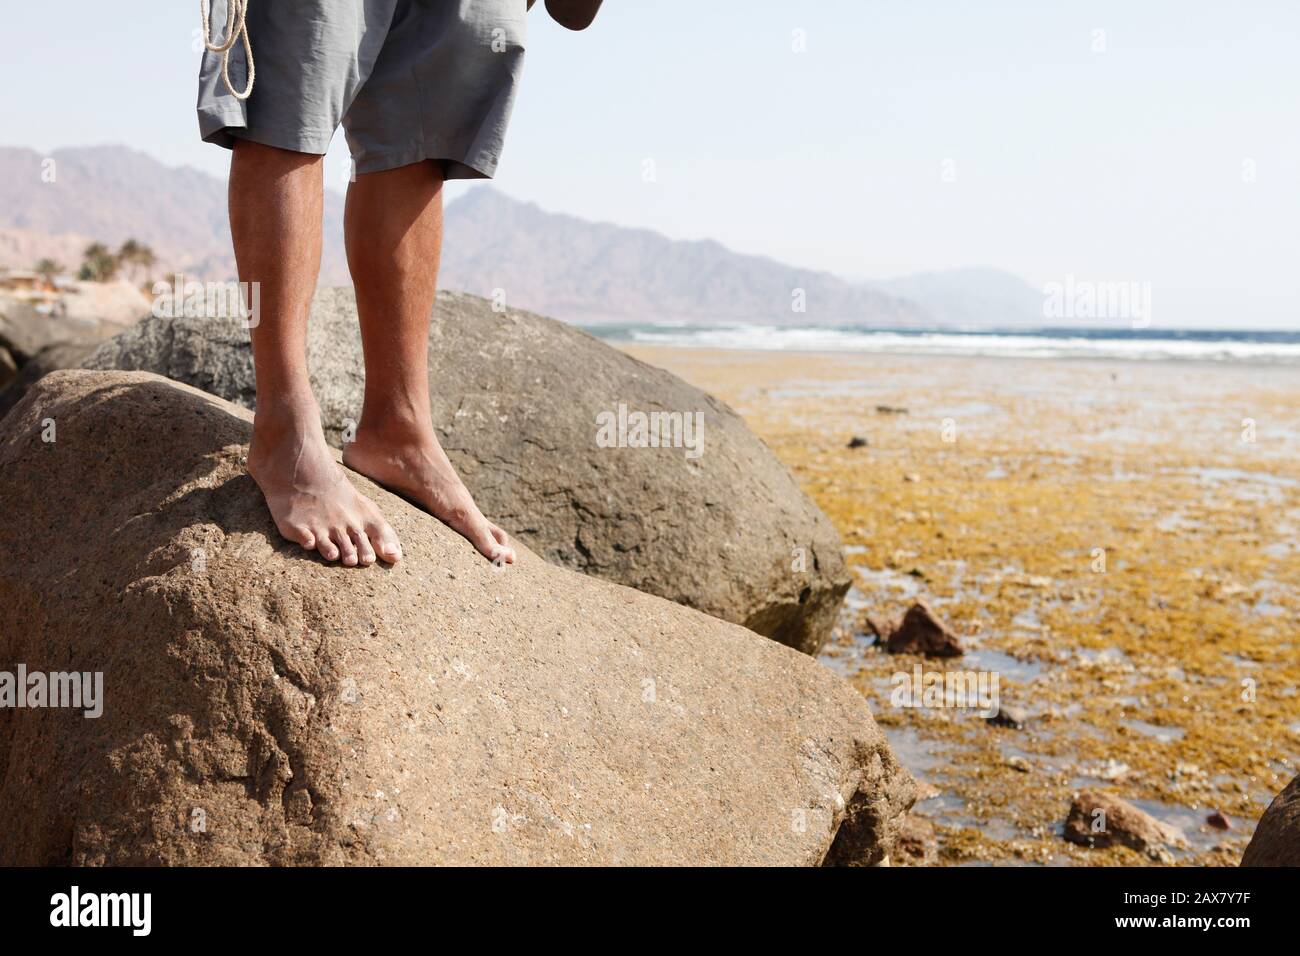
1207, 345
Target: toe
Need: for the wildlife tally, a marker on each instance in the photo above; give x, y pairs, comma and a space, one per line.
480, 535
300, 534
347, 549
365, 552
328, 550
475, 528
384, 540
505, 552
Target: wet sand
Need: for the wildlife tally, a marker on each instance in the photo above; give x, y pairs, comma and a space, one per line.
1118, 541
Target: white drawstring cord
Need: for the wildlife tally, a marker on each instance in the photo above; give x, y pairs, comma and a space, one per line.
238, 29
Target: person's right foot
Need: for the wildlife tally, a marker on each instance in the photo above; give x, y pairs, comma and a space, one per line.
406, 457
311, 500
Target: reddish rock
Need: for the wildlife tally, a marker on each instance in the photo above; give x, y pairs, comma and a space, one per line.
1219, 821
921, 632
1099, 819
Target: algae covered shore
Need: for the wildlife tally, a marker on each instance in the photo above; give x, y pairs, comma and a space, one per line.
1118, 542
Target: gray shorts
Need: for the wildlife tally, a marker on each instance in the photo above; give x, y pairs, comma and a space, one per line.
408, 80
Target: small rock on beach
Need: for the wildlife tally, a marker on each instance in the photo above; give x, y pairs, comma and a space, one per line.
1098, 820
921, 632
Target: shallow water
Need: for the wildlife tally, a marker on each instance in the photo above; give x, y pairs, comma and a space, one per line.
1155, 731
1131, 673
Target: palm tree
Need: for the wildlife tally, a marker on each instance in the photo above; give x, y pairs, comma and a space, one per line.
136, 255
98, 264
147, 260
127, 253
47, 269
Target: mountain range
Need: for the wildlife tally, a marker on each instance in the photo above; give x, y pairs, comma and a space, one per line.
560, 265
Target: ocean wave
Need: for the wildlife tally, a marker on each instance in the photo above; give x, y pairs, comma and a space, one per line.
1188, 345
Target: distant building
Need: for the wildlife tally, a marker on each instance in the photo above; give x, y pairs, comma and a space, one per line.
28, 286
24, 280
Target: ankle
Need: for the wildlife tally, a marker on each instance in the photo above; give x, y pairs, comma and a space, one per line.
287, 405
394, 425
283, 415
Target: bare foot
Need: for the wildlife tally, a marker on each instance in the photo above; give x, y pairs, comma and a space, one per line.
410, 461
310, 498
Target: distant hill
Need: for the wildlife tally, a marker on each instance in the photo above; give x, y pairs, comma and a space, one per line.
112, 193
548, 262
596, 272
971, 298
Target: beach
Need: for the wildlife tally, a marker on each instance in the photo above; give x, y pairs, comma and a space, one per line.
1114, 541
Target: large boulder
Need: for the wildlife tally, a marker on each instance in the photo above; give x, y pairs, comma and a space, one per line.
262, 706
516, 398
1276, 841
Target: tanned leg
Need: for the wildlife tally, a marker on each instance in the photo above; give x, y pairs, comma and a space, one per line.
275, 218
393, 227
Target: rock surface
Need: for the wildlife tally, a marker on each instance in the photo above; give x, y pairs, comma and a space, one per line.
516, 399
921, 632
261, 706
1276, 841
1098, 819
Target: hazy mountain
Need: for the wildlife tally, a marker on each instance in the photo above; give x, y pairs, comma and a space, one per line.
973, 297
54, 205
596, 272
549, 262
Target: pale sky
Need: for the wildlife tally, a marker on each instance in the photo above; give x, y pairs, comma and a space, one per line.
1137, 140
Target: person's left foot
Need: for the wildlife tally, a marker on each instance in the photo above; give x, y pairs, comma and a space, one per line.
411, 462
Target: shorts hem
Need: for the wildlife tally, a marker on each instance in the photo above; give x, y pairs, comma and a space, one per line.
464, 167
224, 128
